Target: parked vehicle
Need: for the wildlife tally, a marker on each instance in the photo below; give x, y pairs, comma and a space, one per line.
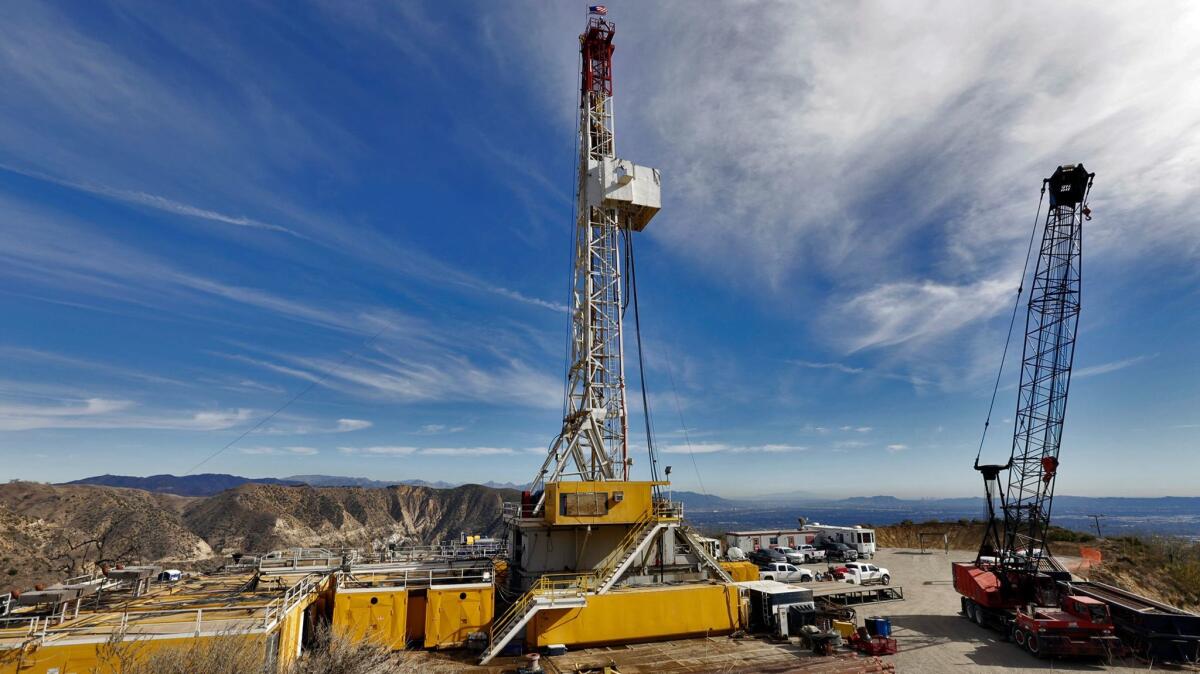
786, 573
862, 540
803, 554
862, 573
793, 556
811, 553
764, 556
839, 552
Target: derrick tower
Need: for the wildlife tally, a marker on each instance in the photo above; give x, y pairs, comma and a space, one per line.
614, 199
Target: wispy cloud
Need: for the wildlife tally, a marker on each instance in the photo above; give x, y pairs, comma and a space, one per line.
438, 429
151, 201
467, 451
430, 451
379, 450
896, 448
26, 354
1113, 366
857, 371
280, 451
99, 413
898, 313
716, 447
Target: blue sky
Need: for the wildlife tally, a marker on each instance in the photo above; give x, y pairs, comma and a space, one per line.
208, 209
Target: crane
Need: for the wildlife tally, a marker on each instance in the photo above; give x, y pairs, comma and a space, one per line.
1013, 574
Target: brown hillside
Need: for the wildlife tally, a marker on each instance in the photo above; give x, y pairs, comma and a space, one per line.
49, 532
64, 530
260, 517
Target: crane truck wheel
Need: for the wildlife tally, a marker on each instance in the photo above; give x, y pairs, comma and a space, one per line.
1031, 642
1019, 637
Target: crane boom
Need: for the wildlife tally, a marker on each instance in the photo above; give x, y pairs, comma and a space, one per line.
1050, 331
1017, 542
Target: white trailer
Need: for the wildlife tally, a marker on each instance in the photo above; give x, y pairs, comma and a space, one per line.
750, 541
862, 540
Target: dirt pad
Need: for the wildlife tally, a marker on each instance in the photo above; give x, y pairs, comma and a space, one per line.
931, 633
933, 636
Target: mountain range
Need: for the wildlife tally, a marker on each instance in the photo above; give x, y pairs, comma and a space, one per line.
210, 484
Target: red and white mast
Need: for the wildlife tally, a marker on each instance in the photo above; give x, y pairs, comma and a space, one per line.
615, 199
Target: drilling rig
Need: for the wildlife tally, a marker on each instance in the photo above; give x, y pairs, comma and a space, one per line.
1014, 584
589, 547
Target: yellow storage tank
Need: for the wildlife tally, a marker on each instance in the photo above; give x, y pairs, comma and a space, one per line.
740, 571
644, 614
452, 612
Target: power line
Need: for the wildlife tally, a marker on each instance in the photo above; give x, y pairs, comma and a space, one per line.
311, 385
1011, 322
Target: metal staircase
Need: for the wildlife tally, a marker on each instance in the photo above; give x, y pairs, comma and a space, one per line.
708, 559
549, 592
634, 543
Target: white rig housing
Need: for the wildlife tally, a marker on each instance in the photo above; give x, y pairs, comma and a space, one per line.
625, 186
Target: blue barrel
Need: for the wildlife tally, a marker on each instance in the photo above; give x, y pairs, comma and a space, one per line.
883, 627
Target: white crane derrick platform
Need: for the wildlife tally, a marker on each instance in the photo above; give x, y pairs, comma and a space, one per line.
622, 185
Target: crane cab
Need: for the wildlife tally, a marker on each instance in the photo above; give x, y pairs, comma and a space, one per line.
1068, 185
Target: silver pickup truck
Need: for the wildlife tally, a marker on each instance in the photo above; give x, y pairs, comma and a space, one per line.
785, 573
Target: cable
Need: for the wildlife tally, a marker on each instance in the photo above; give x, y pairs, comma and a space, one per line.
679, 409
1012, 322
637, 323
311, 385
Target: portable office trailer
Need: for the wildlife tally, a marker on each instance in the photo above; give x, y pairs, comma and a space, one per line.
859, 538
749, 541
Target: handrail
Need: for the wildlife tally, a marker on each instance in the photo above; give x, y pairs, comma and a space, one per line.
552, 585
613, 559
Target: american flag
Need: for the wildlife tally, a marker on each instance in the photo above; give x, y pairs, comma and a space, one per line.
598, 9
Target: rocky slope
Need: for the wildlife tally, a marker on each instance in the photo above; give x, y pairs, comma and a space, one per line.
51, 531
258, 517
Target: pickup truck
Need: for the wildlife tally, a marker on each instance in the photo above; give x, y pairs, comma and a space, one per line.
765, 556
803, 554
839, 552
862, 573
786, 573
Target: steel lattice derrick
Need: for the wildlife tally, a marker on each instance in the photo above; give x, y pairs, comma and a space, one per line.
593, 442
1049, 347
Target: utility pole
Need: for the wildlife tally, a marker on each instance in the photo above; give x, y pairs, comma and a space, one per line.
1097, 519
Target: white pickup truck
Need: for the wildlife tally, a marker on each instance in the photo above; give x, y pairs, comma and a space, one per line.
803, 554
861, 573
785, 573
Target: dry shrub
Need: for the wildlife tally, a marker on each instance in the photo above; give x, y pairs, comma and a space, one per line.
337, 653
229, 653
241, 653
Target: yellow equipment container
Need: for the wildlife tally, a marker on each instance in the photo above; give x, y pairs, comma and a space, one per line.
452, 612
375, 614
740, 571
844, 628
644, 614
